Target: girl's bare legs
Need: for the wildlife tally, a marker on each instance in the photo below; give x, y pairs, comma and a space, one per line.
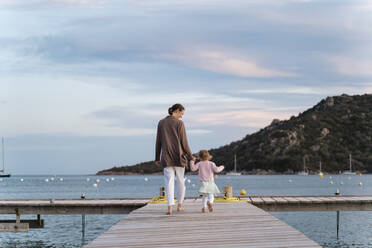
204, 203
210, 202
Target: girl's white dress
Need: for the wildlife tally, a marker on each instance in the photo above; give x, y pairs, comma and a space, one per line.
208, 187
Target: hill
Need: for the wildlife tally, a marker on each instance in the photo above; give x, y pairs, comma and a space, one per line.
330, 131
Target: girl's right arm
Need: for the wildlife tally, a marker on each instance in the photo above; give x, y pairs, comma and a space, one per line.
217, 169
193, 166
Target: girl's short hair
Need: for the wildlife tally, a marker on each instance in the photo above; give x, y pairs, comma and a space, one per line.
204, 155
175, 107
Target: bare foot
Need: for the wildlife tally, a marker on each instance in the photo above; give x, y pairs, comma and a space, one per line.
210, 206
204, 210
170, 209
180, 207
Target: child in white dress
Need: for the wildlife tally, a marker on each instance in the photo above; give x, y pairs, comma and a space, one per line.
206, 178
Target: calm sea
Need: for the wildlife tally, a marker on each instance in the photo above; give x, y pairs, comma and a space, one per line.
65, 230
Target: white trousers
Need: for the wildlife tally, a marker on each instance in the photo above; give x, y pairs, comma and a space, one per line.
169, 184
210, 199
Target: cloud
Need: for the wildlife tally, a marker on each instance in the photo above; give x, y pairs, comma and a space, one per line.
223, 62
89, 3
349, 66
249, 118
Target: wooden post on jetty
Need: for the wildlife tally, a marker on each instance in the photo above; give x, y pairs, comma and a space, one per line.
227, 191
162, 191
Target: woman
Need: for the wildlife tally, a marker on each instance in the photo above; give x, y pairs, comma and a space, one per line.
172, 152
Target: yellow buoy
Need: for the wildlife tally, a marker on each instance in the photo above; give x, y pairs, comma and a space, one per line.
360, 174
242, 192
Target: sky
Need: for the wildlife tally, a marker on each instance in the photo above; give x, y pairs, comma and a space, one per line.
83, 83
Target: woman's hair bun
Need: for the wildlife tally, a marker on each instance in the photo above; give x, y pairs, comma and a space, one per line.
175, 107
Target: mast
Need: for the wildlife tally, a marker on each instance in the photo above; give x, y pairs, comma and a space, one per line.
2, 139
320, 166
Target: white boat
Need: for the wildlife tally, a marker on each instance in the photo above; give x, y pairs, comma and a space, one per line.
304, 172
350, 172
234, 173
2, 171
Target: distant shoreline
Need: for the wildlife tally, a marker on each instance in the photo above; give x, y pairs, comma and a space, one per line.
106, 173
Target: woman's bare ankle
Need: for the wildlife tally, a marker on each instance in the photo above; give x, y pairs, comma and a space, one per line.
180, 207
170, 210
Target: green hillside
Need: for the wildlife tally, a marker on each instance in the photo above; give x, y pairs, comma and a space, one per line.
330, 131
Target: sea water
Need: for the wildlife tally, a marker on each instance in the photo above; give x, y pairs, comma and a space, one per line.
66, 230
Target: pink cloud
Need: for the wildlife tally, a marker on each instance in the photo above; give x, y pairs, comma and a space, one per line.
226, 63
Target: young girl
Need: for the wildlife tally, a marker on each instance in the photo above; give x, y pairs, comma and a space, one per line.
206, 172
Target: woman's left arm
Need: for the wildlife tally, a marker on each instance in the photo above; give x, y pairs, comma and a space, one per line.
184, 143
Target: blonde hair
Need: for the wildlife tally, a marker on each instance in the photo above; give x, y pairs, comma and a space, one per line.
204, 155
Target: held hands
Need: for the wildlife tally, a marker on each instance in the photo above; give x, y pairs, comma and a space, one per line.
157, 163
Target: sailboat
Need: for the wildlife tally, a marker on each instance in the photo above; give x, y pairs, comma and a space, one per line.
304, 172
234, 173
350, 172
320, 169
2, 172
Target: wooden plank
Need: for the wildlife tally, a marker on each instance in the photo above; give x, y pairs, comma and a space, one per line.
14, 227
31, 223
314, 199
235, 224
280, 200
268, 200
292, 200
257, 200
303, 199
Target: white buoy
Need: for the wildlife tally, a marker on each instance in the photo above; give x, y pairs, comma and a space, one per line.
97, 180
331, 182
330, 177
61, 179
112, 179
1, 179
52, 179
290, 180
88, 179
360, 184
341, 182
95, 185
22, 180
188, 180
46, 180
146, 179
107, 179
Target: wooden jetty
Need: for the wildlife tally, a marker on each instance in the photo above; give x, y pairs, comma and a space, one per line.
232, 224
312, 203
244, 222
71, 206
